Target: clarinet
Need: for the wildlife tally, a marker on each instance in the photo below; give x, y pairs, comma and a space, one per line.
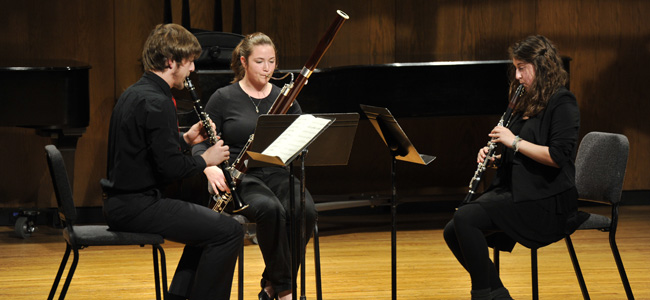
220, 199
505, 119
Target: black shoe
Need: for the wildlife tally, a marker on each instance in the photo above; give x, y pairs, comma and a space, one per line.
264, 296
500, 294
483, 294
169, 296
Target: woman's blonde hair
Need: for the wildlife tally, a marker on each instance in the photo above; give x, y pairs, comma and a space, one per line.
244, 49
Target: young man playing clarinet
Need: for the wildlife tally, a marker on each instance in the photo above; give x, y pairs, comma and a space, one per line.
145, 153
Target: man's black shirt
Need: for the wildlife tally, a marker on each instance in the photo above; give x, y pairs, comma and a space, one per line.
144, 145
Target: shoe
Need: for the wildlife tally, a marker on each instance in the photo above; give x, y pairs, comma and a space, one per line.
500, 294
483, 294
264, 296
169, 296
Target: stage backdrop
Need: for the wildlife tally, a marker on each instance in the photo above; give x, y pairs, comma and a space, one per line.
608, 41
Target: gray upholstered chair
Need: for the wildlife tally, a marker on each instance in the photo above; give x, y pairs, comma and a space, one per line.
600, 169
79, 237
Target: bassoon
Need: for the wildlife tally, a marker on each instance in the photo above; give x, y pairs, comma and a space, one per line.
220, 199
290, 91
504, 121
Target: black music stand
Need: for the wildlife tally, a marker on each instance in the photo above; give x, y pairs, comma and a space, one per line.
400, 149
332, 146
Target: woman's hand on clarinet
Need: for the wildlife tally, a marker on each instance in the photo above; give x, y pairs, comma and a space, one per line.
216, 154
482, 153
216, 179
502, 135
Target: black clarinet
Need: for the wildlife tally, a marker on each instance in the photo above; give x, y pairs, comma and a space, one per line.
220, 199
505, 119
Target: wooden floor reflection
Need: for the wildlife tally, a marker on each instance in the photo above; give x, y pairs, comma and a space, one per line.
355, 263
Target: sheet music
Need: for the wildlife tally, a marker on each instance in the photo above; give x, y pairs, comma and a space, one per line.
296, 137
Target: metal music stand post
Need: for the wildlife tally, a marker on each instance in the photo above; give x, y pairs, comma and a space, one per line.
330, 147
400, 149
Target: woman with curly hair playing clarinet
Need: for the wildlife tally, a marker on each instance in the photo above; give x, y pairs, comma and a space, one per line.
532, 199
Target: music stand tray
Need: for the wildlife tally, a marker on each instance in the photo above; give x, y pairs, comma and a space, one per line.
331, 147
393, 135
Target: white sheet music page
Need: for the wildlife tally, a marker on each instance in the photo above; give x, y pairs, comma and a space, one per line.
296, 136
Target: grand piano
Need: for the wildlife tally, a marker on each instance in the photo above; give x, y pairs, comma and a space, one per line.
51, 97
445, 108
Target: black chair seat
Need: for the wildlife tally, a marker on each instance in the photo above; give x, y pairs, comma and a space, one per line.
596, 221
100, 235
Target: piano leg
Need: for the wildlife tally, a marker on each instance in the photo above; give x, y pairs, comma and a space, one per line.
66, 141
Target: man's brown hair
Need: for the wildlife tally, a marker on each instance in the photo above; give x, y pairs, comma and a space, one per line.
169, 41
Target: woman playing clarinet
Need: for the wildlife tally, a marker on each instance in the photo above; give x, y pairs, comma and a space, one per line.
532, 199
234, 109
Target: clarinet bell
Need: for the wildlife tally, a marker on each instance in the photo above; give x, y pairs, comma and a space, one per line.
238, 204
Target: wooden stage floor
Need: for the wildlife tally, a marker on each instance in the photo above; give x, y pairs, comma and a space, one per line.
355, 260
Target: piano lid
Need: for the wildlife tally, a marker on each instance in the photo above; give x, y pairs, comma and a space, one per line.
42, 65
446, 88
44, 94
411, 89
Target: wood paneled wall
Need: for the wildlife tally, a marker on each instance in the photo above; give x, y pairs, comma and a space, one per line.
608, 40
76, 30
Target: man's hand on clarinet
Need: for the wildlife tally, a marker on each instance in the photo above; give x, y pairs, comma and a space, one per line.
216, 154
197, 133
216, 179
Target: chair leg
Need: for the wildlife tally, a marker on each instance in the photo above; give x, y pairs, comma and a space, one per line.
495, 259
163, 265
64, 262
576, 268
617, 254
240, 274
533, 271
621, 269
156, 249
319, 290
156, 271
68, 279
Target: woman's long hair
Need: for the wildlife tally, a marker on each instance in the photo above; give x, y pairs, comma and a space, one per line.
549, 73
244, 49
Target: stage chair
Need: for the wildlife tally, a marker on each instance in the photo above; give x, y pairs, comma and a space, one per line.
79, 237
600, 169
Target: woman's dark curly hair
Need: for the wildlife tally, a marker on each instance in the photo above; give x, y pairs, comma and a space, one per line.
549, 73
